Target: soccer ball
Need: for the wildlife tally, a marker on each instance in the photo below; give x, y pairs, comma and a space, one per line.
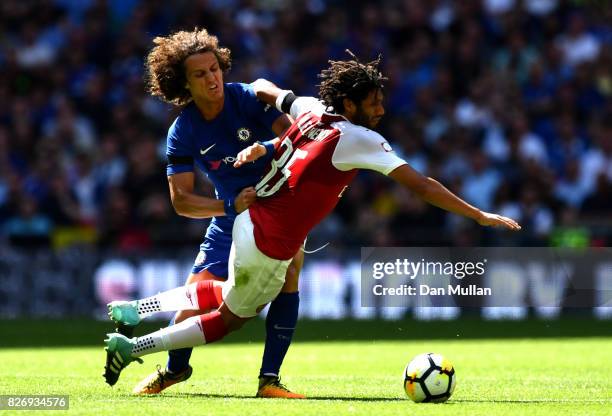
429, 378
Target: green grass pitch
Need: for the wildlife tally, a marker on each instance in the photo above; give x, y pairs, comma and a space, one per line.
495, 377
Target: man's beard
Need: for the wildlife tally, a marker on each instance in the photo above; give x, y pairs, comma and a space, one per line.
362, 119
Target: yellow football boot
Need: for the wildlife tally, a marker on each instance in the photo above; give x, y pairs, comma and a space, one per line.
160, 380
270, 387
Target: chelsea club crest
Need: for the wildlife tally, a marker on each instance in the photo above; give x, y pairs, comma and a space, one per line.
244, 134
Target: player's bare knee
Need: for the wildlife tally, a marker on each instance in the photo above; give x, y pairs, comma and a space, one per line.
291, 283
202, 275
182, 315
194, 278
292, 276
232, 322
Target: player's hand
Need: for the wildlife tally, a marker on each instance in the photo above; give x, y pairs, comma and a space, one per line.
262, 84
244, 199
250, 154
495, 220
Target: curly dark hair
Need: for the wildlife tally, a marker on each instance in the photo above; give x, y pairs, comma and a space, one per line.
165, 69
349, 79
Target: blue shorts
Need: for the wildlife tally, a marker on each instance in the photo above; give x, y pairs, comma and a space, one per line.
214, 255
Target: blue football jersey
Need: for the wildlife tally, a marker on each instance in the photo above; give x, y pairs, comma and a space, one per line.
212, 145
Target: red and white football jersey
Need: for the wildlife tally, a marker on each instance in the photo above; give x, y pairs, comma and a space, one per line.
316, 160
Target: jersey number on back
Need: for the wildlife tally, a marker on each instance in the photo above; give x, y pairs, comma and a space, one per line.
280, 169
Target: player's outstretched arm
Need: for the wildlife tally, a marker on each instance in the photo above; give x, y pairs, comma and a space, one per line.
436, 194
285, 101
189, 204
266, 91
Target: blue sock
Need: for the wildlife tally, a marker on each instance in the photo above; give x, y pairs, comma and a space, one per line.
280, 325
178, 360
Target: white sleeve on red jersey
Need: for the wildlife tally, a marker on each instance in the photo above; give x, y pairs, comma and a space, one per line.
360, 148
303, 105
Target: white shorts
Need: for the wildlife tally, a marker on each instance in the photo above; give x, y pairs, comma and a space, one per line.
254, 279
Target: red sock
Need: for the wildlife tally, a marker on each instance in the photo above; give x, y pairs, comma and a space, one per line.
209, 295
213, 326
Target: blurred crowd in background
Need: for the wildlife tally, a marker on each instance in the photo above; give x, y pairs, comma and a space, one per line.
507, 102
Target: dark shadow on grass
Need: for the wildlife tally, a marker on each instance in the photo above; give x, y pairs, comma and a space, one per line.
243, 396
385, 399
528, 401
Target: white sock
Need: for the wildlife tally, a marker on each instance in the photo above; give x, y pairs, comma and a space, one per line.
181, 335
178, 299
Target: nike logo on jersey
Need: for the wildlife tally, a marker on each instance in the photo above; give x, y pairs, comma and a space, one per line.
203, 152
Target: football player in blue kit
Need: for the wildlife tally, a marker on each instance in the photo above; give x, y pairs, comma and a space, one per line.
217, 121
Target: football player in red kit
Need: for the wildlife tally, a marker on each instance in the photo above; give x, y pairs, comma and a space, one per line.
314, 161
